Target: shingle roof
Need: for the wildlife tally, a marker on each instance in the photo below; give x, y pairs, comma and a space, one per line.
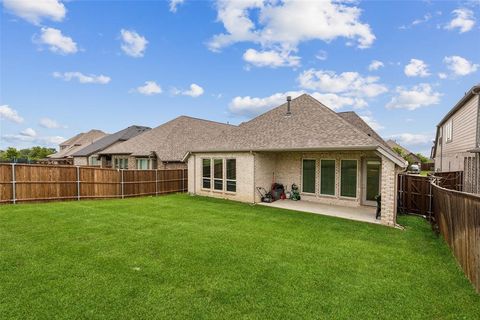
358, 122
170, 141
311, 125
108, 140
82, 140
393, 144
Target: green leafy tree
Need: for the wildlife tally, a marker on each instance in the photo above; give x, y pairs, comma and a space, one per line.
422, 158
399, 151
11, 153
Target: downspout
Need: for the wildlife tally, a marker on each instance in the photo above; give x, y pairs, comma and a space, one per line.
253, 154
194, 174
476, 92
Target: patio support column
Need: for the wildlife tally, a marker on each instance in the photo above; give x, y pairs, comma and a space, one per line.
388, 191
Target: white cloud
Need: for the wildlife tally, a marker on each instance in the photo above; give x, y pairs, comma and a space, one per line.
271, 58
416, 68
56, 41
133, 44
24, 137
10, 114
427, 17
82, 78
460, 66
174, 4
375, 65
34, 11
418, 96
464, 20
283, 25
194, 91
29, 132
412, 139
322, 55
442, 75
50, 124
253, 106
348, 83
372, 122
150, 88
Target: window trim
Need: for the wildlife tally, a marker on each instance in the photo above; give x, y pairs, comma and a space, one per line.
143, 158
314, 177
117, 161
230, 180
222, 179
334, 195
89, 159
340, 181
449, 131
210, 178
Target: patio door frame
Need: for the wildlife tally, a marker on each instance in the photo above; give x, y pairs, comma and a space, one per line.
364, 181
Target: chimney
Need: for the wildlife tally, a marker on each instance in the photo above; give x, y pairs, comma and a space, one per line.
289, 98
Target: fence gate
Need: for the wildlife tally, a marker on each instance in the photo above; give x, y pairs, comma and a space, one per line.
414, 194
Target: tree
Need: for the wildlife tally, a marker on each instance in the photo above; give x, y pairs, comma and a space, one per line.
11, 154
422, 158
399, 151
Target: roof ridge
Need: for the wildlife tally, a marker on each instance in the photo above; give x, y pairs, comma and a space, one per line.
342, 119
206, 120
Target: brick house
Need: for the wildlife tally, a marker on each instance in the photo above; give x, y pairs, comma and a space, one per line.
163, 147
90, 154
334, 158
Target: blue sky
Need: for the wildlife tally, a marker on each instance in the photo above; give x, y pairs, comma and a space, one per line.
68, 67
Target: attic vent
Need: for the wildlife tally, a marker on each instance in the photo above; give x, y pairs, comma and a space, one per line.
289, 99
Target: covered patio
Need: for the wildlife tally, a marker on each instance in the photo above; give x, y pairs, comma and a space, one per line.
360, 213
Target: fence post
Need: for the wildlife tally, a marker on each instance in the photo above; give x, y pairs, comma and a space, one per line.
121, 170
78, 183
156, 182
14, 183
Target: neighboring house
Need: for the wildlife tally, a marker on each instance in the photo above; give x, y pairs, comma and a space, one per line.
164, 146
332, 159
90, 154
72, 145
457, 142
406, 154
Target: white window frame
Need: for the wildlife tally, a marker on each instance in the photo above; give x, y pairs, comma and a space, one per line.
340, 181
141, 159
334, 195
120, 163
449, 131
222, 179
98, 161
210, 178
230, 180
315, 177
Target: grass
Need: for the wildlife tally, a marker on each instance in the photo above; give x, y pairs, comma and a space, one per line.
191, 257
425, 173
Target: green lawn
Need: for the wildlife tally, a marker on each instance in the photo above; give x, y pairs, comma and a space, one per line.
190, 257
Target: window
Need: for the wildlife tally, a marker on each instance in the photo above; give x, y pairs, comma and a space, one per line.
206, 174
327, 177
348, 183
121, 163
143, 164
231, 174
218, 174
93, 161
308, 177
448, 131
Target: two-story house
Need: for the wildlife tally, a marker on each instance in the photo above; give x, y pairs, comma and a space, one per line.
457, 142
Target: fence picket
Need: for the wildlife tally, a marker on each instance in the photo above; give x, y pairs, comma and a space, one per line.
25, 182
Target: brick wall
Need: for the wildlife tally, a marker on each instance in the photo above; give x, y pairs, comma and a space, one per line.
389, 192
80, 161
245, 176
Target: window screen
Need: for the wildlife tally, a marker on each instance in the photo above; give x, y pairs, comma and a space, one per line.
206, 174
308, 179
348, 184
218, 174
231, 174
327, 178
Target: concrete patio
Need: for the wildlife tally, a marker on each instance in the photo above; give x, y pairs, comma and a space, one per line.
363, 213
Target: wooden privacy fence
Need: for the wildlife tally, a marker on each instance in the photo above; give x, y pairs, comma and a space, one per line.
22, 183
457, 217
415, 192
